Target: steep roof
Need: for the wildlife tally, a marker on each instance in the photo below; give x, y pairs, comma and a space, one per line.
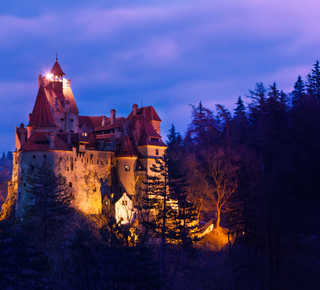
149, 112
40, 141
56, 70
145, 139
42, 115
126, 149
144, 125
91, 122
66, 95
117, 124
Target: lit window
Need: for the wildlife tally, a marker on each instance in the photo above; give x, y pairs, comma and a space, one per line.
84, 134
124, 202
127, 168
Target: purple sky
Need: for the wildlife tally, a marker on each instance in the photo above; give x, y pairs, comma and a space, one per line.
163, 53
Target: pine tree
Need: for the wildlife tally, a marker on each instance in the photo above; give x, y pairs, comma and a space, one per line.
299, 91
49, 202
168, 213
204, 128
240, 123
126, 263
82, 260
313, 81
22, 265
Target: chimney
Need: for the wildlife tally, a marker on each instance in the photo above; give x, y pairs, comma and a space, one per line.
22, 134
52, 136
104, 120
134, 109
113, 116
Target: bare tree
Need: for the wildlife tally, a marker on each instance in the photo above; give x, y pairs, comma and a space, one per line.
221, 171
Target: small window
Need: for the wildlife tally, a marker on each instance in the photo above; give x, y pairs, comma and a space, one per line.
32, 168
97, 161
157, 151
84, 134
34, 156
60, 158
71, 131
70, 184
124, 202
24, 185
67, 168
75, 159
71, 120
45, 156
127, 168
60, 130
61, 119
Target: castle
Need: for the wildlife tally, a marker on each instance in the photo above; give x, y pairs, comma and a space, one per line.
104, 159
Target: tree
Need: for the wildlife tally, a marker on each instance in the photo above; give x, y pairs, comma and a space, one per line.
226, 126
313, 81
4, 179
204, 128
126, 263
22, 265
299, 90
81, 257
49, 202
240, 125
221, 171
167, 212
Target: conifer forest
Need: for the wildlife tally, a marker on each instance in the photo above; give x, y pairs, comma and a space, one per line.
254, 172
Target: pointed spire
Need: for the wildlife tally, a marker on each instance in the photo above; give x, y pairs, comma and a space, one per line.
41, 115
56, 69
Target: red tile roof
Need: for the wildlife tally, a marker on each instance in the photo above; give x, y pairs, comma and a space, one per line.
56, 70
149, 112
42, 115
91, 122
127, 149
148, 140
117, 124
67, 95
144, 125
40, 141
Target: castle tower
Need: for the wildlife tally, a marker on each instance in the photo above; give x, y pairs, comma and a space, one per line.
41, 118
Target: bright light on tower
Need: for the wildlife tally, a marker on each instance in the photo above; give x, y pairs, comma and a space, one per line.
49, 76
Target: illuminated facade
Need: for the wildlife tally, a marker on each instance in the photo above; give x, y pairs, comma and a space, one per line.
102, 158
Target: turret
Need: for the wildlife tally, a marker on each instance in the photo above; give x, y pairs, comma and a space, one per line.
113, 116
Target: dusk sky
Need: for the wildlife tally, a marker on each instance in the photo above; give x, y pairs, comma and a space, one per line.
167, 54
